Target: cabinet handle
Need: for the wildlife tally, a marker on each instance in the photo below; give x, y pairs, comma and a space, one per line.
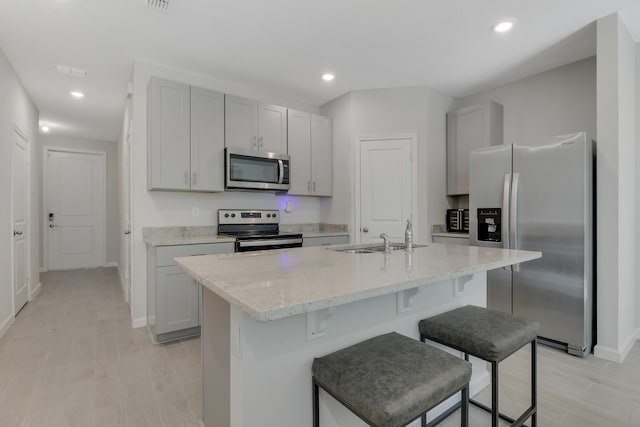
260, 144
314, 186
309, 186
195, 178
253, 141
186, 178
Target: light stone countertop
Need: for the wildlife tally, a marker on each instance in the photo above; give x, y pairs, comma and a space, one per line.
271, 285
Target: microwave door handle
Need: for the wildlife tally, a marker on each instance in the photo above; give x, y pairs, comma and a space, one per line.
281, 168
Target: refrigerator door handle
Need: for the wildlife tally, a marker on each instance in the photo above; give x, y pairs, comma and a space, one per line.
505, 214
514, 217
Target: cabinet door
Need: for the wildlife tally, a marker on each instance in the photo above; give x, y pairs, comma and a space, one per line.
240, 122
468, 129
324, 241
168, 138
299, 144
207, 140
272, 125
321, 156
177, 300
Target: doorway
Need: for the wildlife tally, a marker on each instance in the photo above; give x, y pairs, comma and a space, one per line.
74, 208
385, 187
20, 220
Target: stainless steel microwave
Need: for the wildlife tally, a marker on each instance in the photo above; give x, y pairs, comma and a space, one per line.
255, 170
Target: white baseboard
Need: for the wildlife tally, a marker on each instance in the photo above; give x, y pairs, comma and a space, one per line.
4, 326
617, 354
43, 270
34, 292
111, 264
140, 322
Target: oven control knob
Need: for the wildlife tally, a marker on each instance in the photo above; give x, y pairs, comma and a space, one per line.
233, 215
226, 215
274, 215
268, 215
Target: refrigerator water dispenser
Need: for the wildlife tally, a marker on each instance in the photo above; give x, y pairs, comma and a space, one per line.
489, 227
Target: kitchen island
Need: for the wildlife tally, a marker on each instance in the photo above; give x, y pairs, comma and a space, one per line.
266, 315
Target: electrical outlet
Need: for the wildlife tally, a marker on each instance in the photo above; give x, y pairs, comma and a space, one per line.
195, 211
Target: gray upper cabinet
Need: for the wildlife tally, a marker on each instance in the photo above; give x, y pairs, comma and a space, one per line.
241, 122
207, 140
169, 131
186, 137
310, 149
321, 156
253, 125
470, 128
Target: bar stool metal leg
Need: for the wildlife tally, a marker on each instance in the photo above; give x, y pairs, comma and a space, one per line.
465, 407
495, 412
534, 383
316, 409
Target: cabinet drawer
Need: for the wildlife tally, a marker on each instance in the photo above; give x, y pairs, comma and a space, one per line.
166, 254
323, 241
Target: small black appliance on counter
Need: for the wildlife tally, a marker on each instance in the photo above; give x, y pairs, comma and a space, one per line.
458, 220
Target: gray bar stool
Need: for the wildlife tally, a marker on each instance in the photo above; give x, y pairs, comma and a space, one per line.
391, 380
489, 335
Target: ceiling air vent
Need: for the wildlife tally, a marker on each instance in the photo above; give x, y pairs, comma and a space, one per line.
158, 4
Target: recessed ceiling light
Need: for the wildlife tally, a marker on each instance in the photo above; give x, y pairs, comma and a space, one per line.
327, 77
504, 26
44, 129
77, 94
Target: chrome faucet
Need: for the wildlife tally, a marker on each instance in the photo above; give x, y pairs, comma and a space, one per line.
385, 237
408, 237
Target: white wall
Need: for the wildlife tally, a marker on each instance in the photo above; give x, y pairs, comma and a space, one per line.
157, 208
418, 110
555, 102
637, 181
616, 188
109, 147
16, 110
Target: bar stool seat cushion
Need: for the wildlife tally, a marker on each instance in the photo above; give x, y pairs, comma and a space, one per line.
487, 334
391, 379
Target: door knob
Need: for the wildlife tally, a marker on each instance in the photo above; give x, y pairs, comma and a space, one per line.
52, 226
365, 230
17, 233
127, 232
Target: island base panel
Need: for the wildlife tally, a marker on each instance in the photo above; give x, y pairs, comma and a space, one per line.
261, 371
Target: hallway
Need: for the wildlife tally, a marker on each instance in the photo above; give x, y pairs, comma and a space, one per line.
72, 359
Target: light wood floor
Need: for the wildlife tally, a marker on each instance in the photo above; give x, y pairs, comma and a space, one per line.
72, 359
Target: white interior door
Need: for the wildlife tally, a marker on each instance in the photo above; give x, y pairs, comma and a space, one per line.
76, 184
386, 190
127, 215
20, 221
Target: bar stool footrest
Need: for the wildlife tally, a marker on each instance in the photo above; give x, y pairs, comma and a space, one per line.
514, 423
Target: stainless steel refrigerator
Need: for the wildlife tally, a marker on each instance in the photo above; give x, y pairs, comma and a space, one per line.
539, 196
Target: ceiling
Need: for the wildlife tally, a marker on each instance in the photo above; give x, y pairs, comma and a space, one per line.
283, 46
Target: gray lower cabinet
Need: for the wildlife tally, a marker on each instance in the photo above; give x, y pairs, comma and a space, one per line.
457, 241
173, 297
324, 241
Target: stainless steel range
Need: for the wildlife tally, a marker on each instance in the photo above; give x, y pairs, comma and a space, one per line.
256, 230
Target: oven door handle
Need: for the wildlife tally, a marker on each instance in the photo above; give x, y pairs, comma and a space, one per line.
270, 242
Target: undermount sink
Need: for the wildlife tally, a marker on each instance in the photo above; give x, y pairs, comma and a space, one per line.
372, 248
